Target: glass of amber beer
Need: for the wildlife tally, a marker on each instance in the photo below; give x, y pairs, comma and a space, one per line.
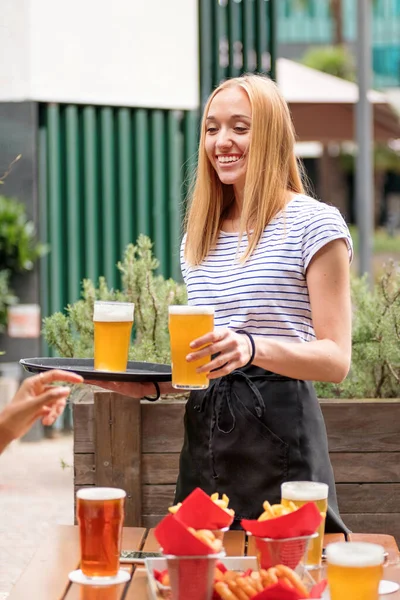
187, 323
301, 492
112, 333
100, 515
354, 570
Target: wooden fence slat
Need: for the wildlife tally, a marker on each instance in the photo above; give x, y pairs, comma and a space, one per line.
360, 467
357, 426
160, 468
368, 497
157, 498
83, 415
162, 426
378, 523
118, 443
84, 469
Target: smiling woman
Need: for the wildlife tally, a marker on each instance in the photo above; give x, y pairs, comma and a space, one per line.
274, 264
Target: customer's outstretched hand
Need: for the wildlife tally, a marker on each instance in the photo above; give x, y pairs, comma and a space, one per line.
36, 398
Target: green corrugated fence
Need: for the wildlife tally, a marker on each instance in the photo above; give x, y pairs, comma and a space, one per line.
106, 175
236, 36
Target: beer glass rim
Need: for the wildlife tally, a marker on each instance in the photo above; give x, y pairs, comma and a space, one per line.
304, 491
355, 554
117, 302
186, 309
113, 311
100, 494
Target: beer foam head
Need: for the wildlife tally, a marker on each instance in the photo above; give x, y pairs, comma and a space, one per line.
100, 493
354, 554
190, 310
304, 491
113, 311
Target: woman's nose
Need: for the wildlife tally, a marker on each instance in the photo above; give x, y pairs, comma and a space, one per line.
223, 140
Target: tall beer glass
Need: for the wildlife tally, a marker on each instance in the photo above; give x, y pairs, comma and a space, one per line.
301, 492
354, 570
112, 333
186, 323
100, 515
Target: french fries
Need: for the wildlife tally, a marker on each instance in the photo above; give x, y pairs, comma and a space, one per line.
207, 537
174, 509
222, 503
233, 585
276, 510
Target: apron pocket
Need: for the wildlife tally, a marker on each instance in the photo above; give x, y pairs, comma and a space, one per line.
250, 463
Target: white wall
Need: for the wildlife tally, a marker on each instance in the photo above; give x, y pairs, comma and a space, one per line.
14, 49
125, 52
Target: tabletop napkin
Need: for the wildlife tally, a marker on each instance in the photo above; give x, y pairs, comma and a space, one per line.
301, 522
174, 538
200, 512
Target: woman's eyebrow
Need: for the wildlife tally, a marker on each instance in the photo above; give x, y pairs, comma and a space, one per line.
231, 118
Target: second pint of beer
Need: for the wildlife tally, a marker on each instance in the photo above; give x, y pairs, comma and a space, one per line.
301, 492
100, 516
112, 334
187, 323
354, 570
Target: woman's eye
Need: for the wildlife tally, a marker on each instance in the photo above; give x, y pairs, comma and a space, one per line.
211, 129
241, 129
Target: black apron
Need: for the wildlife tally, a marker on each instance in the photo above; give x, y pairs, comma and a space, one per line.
248, 433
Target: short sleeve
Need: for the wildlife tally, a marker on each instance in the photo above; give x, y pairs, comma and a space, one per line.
325, 225
182, 258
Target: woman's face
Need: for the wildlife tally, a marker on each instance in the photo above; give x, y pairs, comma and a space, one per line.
228, 132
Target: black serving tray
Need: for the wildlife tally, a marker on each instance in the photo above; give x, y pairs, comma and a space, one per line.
135, 372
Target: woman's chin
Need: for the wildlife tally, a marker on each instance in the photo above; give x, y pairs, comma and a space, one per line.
230, 178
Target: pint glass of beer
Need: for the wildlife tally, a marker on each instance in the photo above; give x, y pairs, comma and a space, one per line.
100, 515
301, 492
186, 323
354, 570
112, 333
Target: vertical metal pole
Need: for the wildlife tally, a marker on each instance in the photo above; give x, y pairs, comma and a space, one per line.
364, 133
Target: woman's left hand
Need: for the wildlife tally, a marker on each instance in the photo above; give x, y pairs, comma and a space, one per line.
233, 350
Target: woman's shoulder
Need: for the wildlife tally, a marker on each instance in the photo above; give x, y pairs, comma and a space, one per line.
302, 205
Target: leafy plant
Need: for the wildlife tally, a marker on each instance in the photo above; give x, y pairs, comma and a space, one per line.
19, 248
375, 370
335, 60
375, 367
71, 334
7, 298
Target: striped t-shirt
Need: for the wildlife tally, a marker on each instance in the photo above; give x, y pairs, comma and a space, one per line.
268, 294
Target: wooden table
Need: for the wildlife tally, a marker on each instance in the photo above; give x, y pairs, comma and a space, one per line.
46, 577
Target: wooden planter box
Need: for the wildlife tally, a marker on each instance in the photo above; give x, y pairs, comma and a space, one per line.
135, 445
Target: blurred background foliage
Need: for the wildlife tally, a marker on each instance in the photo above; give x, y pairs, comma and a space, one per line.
375, 370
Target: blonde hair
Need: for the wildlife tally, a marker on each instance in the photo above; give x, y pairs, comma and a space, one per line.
272, 170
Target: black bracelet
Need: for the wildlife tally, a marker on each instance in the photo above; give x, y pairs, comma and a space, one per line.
253, 346
157, 392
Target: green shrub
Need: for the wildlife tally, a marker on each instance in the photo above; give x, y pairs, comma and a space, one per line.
334, 60
375, 370
7, 299
19, 248
375, 366
71, 335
